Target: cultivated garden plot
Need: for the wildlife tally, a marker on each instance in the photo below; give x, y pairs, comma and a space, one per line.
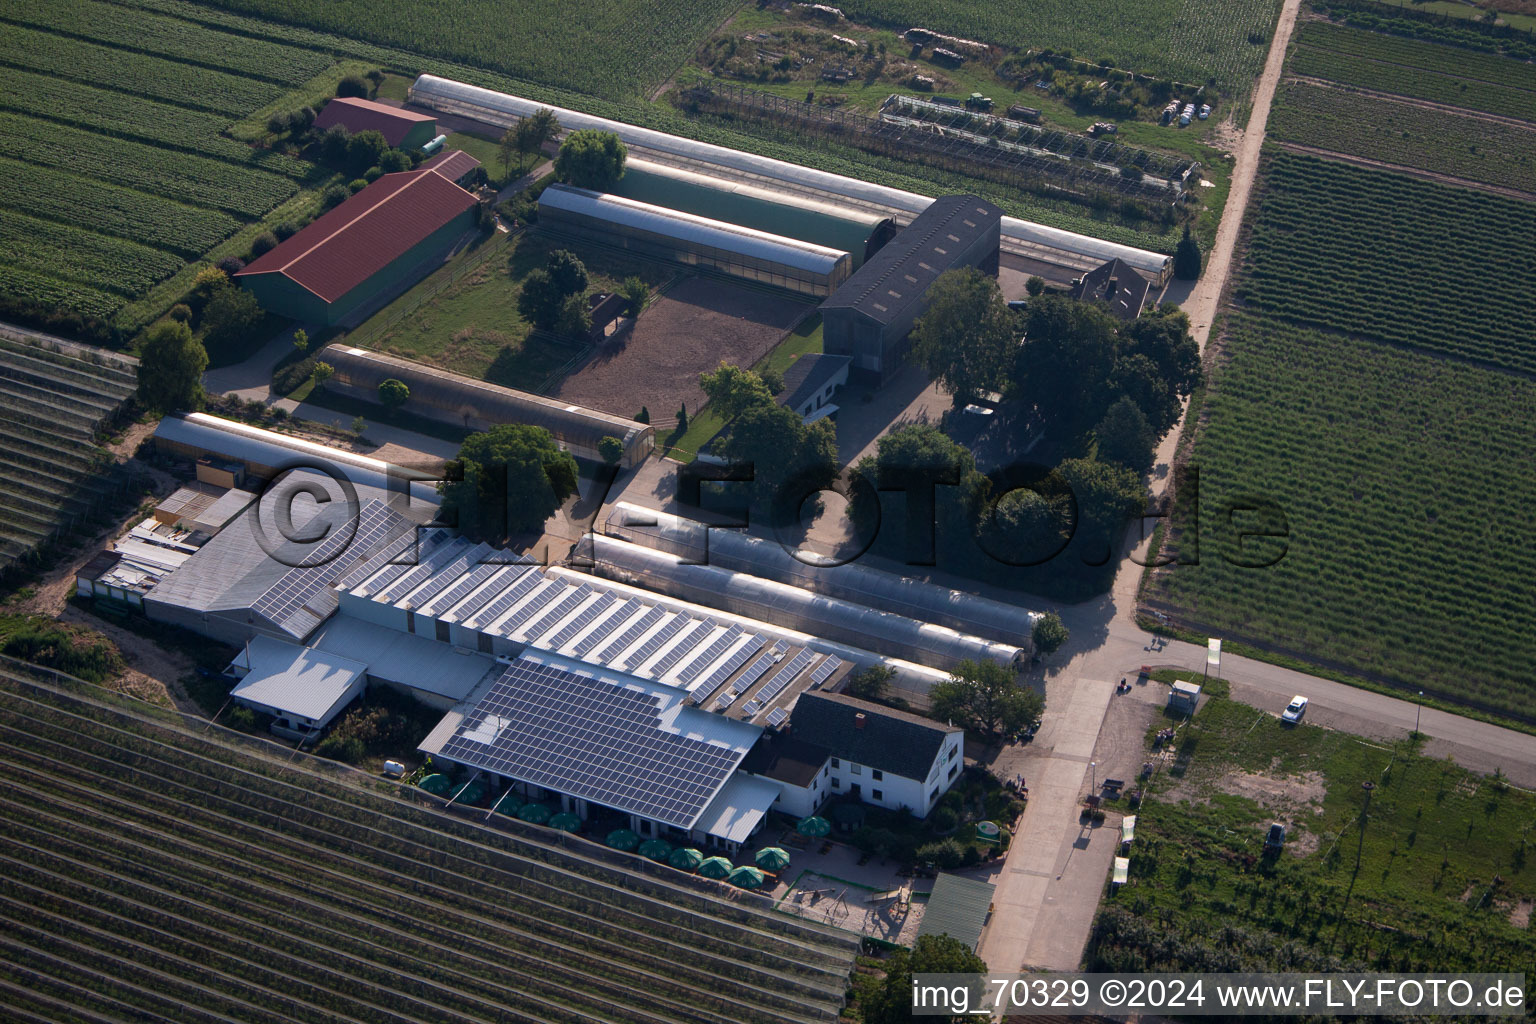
280, 890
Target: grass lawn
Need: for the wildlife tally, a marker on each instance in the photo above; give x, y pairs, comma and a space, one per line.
1427, 870
705, 423
472, 326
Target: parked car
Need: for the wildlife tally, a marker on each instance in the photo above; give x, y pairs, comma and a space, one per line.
1294, 710
1276, 837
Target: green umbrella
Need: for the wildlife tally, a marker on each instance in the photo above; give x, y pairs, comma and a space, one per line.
814, 826
772, 858
656, 849
567, 821
623, 839
745, 878
536, 813
438, 785
715, 867
472, 792
686, 859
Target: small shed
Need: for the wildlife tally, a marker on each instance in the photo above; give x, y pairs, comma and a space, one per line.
958, 907
302, 689
1184, 697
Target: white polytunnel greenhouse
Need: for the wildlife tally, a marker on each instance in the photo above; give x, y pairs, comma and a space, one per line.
503, 109
741, 552
696, 241
479, 405
782, 604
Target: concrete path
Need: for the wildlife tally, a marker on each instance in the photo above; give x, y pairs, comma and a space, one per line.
252, 377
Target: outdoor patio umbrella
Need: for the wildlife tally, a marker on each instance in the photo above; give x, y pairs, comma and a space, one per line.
536, 813
686, 859
813, 826
566, 821
772, 858
656, 849
745, 878
715, 867
439, 785
622, 839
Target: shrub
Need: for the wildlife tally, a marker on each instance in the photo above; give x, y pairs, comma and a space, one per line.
393, 393
354, 86
242, 718
373, 174
333, 197
341, 748
230, 265
356, 185
263, 244
970, 857
943, 819
279, 123
286, 379
611, 449
181, 313
284, 231
946, 854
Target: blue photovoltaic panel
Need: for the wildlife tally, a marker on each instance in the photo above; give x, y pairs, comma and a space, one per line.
825, 669
630, 635
756, 670
397, 548
602, 630
691, 671
680, 649
654, 644
456, 593
751, 707
418, 575
454, 572
394, 570
725, 700
784, 676
591, 739
535, 604
721, 674
776, 716
588, 616
565, 607
297, 586
498, 585
508, 598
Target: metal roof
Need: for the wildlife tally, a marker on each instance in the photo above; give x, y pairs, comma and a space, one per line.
503, 108
958, 908
454, 393
406, 658
738, 809
360, 115
296, 680
897, 278
452, 164
342, 249
688, 227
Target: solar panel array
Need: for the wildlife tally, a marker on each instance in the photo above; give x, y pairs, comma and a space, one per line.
508, 598
691, 670
631, 634
565, 607
755, 670
825, 669
752, 707
731, 664
588, 615
725, 701
395, 549
418, 575
456, 593
682, 648
777, 716
499, 582
285, 598
603, 629
535, 604
785, 675
594, 740
654, 644
376, 582
449, 574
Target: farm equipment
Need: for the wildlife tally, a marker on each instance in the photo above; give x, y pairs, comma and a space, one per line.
976, 101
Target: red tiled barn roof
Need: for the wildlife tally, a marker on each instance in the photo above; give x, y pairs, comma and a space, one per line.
343, 248
451, 164
356, 115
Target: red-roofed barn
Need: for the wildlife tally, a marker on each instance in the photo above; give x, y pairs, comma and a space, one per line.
403, 129
369, 244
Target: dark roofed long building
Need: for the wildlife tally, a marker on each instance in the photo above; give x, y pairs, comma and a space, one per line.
869, 317
374, 241
400, 128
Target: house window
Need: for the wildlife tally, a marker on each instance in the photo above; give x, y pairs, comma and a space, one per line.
878, 774
954, 770
825, 770
877, 794
934, 796
854, 789
836, 763
837, 783
855, 769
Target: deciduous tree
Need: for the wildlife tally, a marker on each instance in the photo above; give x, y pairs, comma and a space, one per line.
393, 394
591, 159
964, 339
732, 390
508, 479
985, 697
171, 365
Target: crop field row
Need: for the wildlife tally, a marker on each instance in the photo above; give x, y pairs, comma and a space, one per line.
184, 41
1417, 53
1407, 484
281, 891
186, 85
1186, 40
85, 257
51, 292
117, 113
607, 47
1393, 257
214, 184
1453, 87
1401, 133
127, 213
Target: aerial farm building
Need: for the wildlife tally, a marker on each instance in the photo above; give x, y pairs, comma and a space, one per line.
403, 129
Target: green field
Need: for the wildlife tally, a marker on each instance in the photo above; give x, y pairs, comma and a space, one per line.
1395, 258
1409, 67
1186, 40
154, 870
1400, 133
1429, 877
1407, 483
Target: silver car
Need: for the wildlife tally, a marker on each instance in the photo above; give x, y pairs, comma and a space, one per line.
1294, 710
